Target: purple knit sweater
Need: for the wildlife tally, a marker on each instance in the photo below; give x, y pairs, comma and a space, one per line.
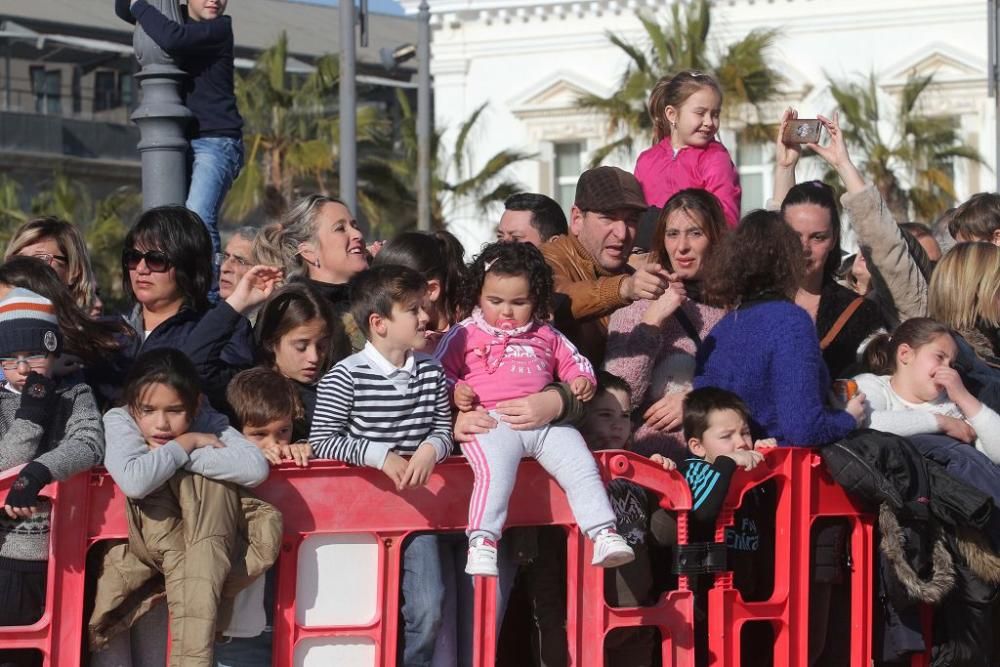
769, 355
655, 361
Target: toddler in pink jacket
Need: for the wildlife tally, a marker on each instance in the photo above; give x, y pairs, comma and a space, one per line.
506, 350
685, 112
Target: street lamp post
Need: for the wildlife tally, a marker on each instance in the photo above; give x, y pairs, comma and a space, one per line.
424, 117
161, 117
348, 108
993, 76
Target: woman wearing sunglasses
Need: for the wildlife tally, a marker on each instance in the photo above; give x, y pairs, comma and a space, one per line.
166, 275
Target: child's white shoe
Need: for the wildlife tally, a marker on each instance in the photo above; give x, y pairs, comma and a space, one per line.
482, 560
611, 550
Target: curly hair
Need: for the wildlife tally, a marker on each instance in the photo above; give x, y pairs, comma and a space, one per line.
763, 256
510, 259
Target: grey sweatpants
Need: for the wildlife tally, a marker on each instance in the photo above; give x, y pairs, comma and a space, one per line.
494, 457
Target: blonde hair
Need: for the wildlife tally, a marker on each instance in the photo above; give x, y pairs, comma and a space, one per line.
673, 91
81, 281
965, 287
278, 243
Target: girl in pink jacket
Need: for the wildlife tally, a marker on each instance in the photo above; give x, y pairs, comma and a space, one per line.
685, 112
506, 350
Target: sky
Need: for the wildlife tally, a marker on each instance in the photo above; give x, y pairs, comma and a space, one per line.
383, 6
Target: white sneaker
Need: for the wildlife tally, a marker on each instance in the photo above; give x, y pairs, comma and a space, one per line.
482, 560
611, 550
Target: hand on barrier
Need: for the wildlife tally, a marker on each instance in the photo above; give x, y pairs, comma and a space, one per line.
765, 443
192, 441
394, 468
297, 452
956, 428
666, 413
747, 459
420, 466
582, 388
663, 462
470, 424
465, 397
22, 499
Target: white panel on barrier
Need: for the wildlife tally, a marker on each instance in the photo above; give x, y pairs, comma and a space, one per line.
339, 651
337, 580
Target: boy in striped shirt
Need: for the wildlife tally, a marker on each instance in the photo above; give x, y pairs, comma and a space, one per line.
387, 407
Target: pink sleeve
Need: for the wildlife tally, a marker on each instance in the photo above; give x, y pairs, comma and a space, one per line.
723, 181
570, 364
451, 354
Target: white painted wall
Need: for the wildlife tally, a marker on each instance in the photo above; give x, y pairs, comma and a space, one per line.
530, 59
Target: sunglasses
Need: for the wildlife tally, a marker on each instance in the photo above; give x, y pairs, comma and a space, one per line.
156, 261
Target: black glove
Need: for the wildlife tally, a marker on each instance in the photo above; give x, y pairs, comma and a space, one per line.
37, 398
24, 493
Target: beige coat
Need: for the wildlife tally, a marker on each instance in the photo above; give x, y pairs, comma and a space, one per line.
197, 542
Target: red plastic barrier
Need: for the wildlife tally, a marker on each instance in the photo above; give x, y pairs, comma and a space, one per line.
805, 493
344, 500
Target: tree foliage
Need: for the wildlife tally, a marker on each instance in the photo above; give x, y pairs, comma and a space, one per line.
912, 166
742, 69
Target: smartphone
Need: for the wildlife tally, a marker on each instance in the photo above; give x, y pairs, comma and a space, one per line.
802, 131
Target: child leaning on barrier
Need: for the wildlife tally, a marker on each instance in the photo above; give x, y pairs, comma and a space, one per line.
182, 467
387, 407
265, 405
717, 431
507, 350
53, 428
203, 47
607, 424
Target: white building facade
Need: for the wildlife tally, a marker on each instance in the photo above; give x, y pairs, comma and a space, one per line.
532, 60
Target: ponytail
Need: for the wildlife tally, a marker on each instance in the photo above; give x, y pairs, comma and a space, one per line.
436, 256
880, 355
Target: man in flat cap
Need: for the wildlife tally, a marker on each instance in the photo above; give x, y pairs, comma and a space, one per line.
590, 265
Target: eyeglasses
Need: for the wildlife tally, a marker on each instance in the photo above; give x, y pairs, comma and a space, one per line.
34, 361
223, 257
156, 261
48, 257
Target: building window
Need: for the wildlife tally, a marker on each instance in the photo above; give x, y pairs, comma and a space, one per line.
46, 85
756, 175
105, 91
569, 166
126, 85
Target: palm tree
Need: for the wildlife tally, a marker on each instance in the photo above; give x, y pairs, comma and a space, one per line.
742, 70
453, 180
912, 167
11, 214
292, 132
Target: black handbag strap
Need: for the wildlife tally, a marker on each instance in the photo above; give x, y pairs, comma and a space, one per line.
689, 328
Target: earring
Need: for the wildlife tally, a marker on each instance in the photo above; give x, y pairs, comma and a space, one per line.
316, 263
673, 124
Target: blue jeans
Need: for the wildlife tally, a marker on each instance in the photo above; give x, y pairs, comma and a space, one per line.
423, 598
245, 652
215, 164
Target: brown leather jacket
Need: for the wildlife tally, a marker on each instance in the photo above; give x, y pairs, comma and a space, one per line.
585, 295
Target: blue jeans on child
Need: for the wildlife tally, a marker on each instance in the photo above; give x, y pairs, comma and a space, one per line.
437, 599
215, 164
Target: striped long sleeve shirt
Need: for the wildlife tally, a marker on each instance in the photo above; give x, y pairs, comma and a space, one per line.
709, 483
366, 407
